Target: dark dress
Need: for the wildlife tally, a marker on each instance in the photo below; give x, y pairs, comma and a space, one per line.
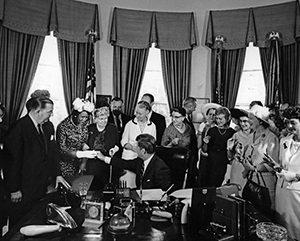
217, 155
102, 141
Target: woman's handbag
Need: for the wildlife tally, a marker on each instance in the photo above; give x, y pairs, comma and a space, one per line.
257, 194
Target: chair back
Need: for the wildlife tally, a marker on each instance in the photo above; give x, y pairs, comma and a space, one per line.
177, 159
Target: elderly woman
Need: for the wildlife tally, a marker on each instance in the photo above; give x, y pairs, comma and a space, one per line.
177, 134
288, 183
72, 136
139, 125
260, 142
235, 146
104, 137
209, 111
215, 144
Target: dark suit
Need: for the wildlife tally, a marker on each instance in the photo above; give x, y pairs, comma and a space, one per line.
193, 172
30, 162
160, 123
124, 118
156, 175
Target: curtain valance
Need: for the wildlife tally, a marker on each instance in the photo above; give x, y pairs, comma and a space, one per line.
70, 20
241, 26
139, 29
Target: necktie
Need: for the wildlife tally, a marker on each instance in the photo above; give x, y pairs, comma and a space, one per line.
118, 123
142, 170
41, 134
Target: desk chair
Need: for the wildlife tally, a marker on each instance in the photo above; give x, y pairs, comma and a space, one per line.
177, 159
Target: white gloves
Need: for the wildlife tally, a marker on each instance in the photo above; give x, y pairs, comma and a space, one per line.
86, 154
287, 175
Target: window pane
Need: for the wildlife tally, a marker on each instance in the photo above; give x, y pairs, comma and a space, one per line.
48, 76
252, 86
153, 84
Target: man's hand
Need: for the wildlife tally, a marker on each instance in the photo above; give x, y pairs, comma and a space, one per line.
100, 155
60, 179
16, 196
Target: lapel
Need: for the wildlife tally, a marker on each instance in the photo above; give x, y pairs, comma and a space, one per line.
149, 167
34, 130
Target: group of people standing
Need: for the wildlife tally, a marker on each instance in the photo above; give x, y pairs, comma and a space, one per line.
98, 141
256, 145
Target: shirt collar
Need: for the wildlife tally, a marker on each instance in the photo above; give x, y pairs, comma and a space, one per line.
147, 161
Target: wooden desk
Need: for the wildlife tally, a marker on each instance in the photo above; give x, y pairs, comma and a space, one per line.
143, 230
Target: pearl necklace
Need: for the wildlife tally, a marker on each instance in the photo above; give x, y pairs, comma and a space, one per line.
221, 132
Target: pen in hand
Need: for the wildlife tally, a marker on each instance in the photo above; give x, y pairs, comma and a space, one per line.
164, 194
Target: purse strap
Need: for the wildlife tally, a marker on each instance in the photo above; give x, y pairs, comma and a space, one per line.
258, 176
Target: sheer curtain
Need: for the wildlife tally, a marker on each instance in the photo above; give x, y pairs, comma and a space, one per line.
19, 56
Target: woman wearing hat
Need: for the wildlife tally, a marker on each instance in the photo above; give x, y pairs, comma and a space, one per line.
235, 146
104, 137
260, 142
215, 144
208, 110
72, 136
177, 134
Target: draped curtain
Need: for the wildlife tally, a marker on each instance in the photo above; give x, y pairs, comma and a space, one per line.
24, 25
176, 69
173, 33
74, 60
128, 70
236, 28
19, 56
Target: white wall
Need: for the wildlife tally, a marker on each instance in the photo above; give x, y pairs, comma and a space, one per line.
200, 79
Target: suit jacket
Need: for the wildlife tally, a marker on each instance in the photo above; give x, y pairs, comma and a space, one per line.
160, 123
125, 118
29, 162
156, 175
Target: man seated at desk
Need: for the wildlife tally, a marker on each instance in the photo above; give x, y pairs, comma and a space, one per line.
151, 171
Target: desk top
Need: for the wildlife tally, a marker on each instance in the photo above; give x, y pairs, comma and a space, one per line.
144, 229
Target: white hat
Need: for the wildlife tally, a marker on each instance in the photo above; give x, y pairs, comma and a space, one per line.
208, 106
260, 112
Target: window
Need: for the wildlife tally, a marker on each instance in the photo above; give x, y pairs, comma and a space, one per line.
252, 86
153, 84
48, 76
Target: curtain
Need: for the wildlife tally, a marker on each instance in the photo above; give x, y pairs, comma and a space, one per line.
176, 69
226, 73
19, 56
173, 33
237, 28
70, 20
288, 83
128, 71
74, 59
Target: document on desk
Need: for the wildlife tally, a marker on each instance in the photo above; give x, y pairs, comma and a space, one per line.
152, 195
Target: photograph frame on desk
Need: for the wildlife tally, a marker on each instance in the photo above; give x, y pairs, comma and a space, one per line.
100, 99
197, 116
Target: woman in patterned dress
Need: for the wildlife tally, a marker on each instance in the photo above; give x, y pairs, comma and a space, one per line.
177, 134
72, 136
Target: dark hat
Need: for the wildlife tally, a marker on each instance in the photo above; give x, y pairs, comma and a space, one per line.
237, 113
